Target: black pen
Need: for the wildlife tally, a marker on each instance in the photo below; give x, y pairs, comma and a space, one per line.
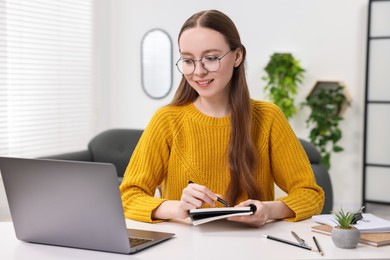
219, 199
318, 246
288, 242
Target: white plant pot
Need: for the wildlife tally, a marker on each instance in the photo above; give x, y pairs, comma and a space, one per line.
345, 238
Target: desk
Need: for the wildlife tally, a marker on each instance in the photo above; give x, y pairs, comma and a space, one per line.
215, 240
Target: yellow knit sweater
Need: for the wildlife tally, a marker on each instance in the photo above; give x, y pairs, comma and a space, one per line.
182, 144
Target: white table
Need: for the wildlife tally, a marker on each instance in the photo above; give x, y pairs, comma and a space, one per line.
215, 240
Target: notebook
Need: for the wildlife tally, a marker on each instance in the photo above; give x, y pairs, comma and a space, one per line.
71, 204
368, 224
205, 215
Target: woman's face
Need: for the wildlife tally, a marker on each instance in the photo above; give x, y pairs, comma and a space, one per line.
198, 42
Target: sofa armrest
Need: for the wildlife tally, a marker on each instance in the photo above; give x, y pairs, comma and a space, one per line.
73, 156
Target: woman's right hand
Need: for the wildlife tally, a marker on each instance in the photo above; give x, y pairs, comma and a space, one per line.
194, 196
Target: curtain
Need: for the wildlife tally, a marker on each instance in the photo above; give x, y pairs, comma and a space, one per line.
47, 89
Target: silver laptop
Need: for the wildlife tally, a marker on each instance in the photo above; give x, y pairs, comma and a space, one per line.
72, 204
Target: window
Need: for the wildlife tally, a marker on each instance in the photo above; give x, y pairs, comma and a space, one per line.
47, 94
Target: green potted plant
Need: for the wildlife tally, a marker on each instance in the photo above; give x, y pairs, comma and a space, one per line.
344, 235
327, 102
284, 73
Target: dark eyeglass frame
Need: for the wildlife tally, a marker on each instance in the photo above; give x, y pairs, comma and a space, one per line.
194, 61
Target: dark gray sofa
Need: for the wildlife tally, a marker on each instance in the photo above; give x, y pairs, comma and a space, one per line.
111, 146
117, 145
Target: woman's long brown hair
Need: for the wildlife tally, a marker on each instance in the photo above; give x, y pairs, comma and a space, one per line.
242, 154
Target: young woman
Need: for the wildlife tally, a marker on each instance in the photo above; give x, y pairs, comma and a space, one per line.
213, 134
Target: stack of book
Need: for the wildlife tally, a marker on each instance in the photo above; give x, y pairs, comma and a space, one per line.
374, 231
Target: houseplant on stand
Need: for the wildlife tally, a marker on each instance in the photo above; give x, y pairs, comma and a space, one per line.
284, 73
344, 235
327, 102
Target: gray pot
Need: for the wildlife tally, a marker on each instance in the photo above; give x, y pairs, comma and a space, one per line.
345, 238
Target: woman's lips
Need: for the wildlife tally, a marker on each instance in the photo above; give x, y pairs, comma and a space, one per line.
204, 83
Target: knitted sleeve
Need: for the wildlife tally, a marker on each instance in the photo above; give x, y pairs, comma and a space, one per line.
146, 170
292, 171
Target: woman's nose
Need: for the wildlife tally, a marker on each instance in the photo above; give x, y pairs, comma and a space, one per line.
199, 68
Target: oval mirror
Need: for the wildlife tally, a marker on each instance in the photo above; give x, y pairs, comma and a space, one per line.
156, 63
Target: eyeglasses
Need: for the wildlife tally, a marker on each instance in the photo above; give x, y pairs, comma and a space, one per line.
210, 63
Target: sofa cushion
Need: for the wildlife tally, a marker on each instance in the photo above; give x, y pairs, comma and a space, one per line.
115, 146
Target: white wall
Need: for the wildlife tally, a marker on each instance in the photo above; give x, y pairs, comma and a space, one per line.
328, 36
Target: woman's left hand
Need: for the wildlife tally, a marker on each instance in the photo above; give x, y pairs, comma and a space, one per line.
266, 210
258, 219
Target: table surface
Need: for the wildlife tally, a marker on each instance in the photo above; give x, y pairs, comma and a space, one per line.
214, 240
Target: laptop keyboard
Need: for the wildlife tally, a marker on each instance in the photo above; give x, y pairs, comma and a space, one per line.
136, 241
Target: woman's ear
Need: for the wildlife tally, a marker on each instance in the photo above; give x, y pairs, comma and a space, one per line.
238, 57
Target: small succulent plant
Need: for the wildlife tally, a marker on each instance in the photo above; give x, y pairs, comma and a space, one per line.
344, 220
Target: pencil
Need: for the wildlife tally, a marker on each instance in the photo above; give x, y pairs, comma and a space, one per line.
318, 246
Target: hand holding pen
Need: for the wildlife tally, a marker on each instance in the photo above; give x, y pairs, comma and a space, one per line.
203, 194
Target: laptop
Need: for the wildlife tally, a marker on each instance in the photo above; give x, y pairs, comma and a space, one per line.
71, 204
